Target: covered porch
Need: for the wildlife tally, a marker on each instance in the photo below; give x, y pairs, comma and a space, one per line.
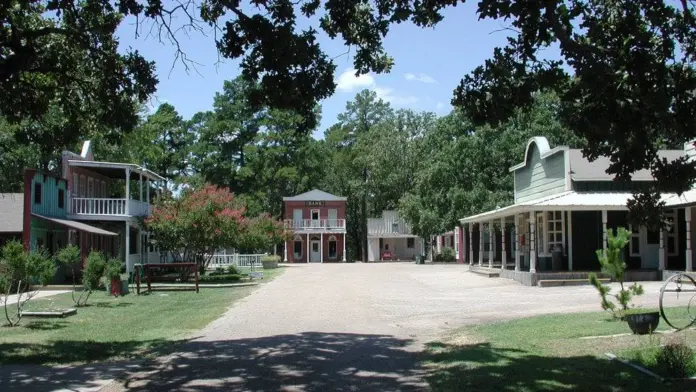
394, 247
560, 234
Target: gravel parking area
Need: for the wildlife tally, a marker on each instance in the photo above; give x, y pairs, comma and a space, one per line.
347, 327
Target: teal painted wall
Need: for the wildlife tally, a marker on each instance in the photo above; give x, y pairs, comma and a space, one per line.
49, 187
540, 177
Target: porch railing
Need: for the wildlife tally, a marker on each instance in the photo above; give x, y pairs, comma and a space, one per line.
238, 260
112, 207
315, 224
388, 228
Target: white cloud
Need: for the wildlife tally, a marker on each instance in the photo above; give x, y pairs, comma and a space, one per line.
388, 95
348, 82
421, 77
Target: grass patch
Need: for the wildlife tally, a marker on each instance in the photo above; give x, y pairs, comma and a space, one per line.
544, 353
129, 327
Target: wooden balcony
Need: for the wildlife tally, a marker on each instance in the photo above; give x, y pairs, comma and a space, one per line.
97, 206
316, 224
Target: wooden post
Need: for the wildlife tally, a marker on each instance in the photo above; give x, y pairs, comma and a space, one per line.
503, 253
195, 271
471, 244
689, 255
127, 190
491, 243
138, 269
604, 231
570, 240
481, 230
518, 252
532, 241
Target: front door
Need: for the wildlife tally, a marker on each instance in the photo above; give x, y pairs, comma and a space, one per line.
315, 252
650, 255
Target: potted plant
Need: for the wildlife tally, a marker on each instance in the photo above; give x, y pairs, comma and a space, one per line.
113, 276
641, 321
270, 261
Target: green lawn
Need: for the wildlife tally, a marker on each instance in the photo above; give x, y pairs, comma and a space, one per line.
545, 353
115, 328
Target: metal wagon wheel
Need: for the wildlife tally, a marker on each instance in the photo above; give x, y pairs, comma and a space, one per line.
679, 279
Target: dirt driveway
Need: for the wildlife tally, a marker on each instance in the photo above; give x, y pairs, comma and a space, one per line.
346, 327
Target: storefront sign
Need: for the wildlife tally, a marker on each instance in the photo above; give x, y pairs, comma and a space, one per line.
314, 203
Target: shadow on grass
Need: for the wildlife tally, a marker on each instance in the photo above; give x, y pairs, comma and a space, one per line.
111, 305
46, 325
310, 361
483, 367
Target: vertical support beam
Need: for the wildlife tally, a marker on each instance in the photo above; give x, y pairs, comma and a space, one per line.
127, 190
147, 191
307, 248
471, 244
481, 230
285, 252
604, 231
491, 243
503, 252
127, 252
141, 186
518, 252
663, 251
689, 255
456, 243
344, 247
463, 245
321, 247
570, 240
532, 242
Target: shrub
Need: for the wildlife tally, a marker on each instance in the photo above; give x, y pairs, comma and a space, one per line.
220, 278
270, 261
20, 270
113, 269
676, 359
232, 270
69, 256
613, 265
447, 255
91, 276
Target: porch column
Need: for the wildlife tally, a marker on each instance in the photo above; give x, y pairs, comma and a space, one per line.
570, 240
481, 229
503, 251
532, 242
604, 231
689, 255
285, 252
663, 255
127, 252
147, 191
127, 189
456, 243
491, 244
141, 186
471, 244
462, 246
517, 242
321, 247
307, 248
344, 247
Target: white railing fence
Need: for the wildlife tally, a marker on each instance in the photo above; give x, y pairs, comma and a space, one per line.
238, 260
97, 206
315, 223
388, 228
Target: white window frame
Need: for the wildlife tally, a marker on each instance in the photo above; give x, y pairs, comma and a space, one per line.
547, 232
673, 234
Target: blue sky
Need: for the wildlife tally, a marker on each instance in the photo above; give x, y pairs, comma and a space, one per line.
429, 64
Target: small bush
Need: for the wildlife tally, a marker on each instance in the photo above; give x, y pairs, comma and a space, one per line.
232, 270
676, 359
270, 258
220, 278
447, 255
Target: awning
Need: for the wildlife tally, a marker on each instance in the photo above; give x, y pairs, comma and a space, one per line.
685, 199
567, 201
75, 225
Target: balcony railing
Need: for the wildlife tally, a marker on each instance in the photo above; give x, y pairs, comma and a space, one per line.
308, 224
388, 228
111, 207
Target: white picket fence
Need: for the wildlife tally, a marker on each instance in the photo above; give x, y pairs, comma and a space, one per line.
222, 260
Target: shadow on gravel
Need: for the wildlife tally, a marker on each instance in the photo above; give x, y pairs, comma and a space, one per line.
308, 361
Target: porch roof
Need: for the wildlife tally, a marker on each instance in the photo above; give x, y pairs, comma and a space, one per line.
75, 225
685, 199
568, 201
116, 169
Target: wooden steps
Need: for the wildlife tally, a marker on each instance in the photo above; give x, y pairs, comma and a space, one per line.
487, 272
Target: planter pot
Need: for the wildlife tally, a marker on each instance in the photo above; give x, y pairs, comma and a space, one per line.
115, 287
643, 323
269, 264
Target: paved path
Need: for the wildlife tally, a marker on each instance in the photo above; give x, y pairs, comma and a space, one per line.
12, 298
343, 327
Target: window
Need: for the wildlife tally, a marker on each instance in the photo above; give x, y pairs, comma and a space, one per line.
395, 227
82, 186
671, 237
297, 247
75, 184
554, 229
37, 193
333, 248
61, 198
410, 243
634, 245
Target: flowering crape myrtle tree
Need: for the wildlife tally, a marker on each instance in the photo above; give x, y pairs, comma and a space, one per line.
200, 221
